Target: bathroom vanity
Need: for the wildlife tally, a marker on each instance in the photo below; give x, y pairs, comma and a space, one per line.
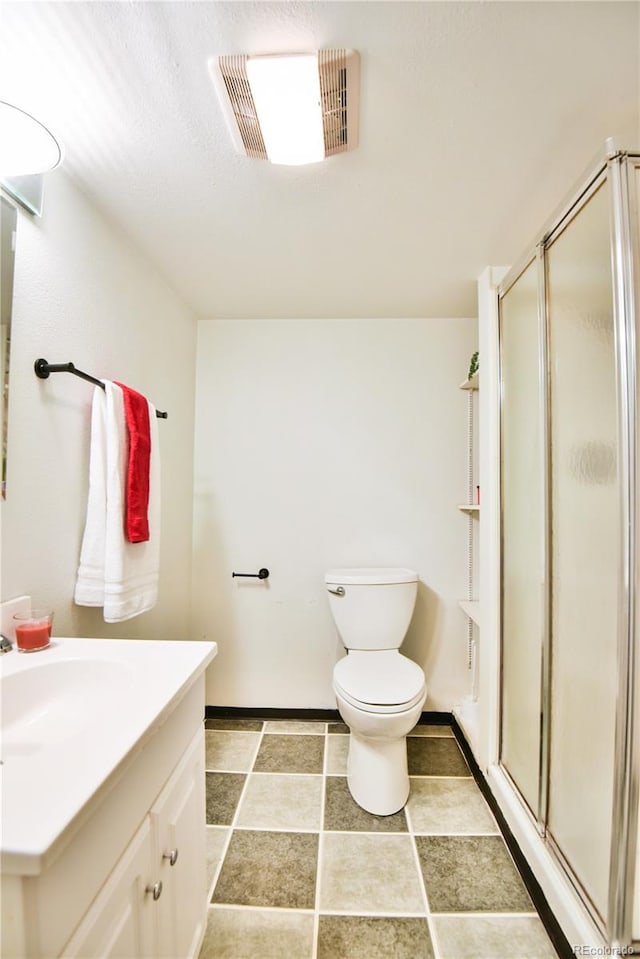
103, 818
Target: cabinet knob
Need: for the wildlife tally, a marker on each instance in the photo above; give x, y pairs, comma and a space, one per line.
155, 890
171, 856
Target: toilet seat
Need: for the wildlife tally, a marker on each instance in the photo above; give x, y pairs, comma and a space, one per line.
379, 681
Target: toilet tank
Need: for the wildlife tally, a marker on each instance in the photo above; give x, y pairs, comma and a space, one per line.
372, 607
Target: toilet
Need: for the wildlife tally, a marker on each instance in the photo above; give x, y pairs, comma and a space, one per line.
380, 693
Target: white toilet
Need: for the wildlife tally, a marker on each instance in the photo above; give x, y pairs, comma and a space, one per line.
380, 693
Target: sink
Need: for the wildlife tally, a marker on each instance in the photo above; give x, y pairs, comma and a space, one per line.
46, 703
74, 717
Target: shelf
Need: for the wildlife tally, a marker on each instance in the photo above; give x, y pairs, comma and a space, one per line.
469, 507
471, 384
470, 608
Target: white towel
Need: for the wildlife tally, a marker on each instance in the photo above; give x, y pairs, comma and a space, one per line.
114, 573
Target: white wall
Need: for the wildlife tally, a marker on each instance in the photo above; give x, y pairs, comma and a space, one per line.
84, 293
326, 443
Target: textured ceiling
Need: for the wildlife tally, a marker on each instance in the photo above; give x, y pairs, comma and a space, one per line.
476, 119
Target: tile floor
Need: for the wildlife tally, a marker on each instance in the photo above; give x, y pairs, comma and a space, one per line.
297, 870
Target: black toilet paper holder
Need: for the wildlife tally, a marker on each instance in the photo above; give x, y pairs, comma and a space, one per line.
261, 574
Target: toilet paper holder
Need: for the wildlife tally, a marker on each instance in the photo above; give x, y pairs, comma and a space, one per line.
261, 574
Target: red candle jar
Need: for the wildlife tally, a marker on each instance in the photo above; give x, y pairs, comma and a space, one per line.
33, 630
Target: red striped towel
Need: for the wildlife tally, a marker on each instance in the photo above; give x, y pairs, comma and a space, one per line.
137, 488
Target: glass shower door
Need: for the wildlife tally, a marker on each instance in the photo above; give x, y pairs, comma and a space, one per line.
585, 537
523, 528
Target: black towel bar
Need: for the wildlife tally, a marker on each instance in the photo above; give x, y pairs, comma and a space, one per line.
43, 369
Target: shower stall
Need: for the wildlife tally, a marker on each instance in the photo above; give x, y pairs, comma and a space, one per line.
567, 710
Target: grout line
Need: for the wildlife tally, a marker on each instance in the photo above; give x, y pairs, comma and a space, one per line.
486, 915
239, 907
423, 886
451, 834
211, 886
371, 914
438, 776
290, 829
396, 833
231, 826
276, 772
264, 772
294, 735
323, 797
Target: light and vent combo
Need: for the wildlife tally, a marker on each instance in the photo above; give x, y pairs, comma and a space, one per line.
293, 109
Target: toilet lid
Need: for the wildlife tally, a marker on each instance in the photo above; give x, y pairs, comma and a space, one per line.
380, 678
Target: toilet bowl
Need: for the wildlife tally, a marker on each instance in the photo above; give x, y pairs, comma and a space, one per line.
379, 692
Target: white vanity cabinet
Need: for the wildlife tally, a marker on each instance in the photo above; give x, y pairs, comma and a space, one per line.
178, 824
121, 922
153, 904
125, 878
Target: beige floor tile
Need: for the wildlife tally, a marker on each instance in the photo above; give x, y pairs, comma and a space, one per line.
471, 874
290, 754
244, 725
431, 729
257, 934
302, 728
490, 937
274, 870
230, 751
337, 728
337, 753
373, 937
435, 756
275, 801
343, 814
370, 874
448, 806
216, 843
222, 797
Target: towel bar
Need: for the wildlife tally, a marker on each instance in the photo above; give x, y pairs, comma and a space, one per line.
44, 369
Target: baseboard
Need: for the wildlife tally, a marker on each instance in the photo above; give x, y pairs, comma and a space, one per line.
267, 712
549, 921
430, 718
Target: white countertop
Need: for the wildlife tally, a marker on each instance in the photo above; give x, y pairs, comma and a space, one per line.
71, 715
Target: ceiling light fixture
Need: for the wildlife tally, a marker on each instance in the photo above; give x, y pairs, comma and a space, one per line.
26, 146
286, 92
290, 109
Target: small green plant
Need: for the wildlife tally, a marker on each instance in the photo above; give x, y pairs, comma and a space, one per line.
474, 365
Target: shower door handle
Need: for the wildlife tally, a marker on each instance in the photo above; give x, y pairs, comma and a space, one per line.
340, 591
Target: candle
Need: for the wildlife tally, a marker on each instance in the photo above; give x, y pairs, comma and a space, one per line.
33, 635
33, 630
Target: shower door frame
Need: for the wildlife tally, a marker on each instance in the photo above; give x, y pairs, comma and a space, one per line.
615, 167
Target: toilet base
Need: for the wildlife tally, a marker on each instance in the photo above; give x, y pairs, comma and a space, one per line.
377, 774
377, 768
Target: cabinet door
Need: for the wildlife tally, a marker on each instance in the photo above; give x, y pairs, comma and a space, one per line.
178, 819
121, 922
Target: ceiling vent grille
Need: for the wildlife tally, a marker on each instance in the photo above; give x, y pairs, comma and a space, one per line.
332, 67
233, 71
339, 92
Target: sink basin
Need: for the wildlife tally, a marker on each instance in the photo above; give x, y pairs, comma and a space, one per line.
74, 717
46, 703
